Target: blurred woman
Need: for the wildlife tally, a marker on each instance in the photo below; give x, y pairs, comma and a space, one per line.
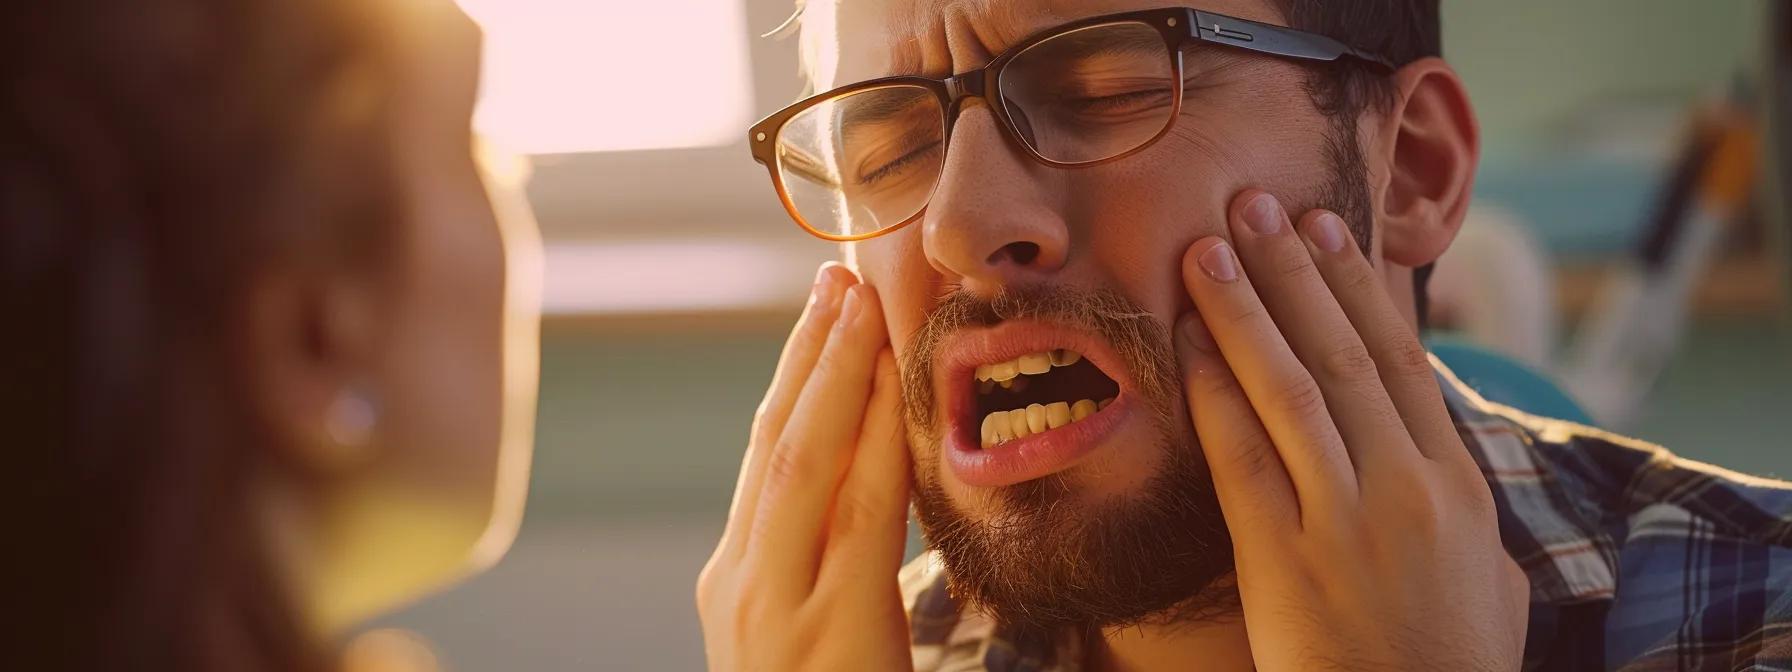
270, 342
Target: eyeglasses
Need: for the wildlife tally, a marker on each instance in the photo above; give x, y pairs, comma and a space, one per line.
862, 160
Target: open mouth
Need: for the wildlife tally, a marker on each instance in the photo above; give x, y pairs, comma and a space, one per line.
1037, 393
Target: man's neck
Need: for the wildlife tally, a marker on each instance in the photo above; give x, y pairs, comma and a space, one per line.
1209, 637
1219, 645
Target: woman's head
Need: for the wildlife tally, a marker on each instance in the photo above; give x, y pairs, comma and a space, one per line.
274, 367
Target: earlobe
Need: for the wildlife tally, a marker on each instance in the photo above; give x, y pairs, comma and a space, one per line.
308, 349
1432, 153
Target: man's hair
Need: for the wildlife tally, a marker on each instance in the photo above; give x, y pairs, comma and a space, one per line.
1401, 31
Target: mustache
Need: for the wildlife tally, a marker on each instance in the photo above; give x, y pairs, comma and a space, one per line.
1136, 335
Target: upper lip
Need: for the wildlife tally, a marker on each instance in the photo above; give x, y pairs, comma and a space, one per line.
965, 351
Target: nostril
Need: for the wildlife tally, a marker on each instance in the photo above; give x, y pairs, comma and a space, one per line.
1020, 253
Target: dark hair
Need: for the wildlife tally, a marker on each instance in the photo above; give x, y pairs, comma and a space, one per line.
1401, 31
154, 159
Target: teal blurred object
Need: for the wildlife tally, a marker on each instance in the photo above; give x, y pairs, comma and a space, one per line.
1505, 381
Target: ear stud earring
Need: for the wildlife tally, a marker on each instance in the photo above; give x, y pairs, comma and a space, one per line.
352, 417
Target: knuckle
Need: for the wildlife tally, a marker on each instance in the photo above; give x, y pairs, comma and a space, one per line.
751, 612
1247, 313
1301, 398
1361, 280
787, 465
1253, 457
1426, 513
1405, 357
752, 605
708, 588
1476, 496
717, 597
1423, 525
1349, 363
761, 432
829, 362
1292, 263
854, 513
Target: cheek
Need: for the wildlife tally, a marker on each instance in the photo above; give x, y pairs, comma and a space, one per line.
907, 287
448, 343
1136, 217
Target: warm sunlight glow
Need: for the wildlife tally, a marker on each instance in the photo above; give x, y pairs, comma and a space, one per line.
670, 276
608, 75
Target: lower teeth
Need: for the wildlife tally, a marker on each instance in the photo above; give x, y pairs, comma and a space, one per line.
1003, 426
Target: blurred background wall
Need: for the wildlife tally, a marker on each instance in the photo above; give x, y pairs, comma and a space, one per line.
673, 275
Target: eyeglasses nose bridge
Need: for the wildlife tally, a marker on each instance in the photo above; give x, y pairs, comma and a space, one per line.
960, 88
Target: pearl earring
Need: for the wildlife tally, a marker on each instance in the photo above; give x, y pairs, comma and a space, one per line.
352, 417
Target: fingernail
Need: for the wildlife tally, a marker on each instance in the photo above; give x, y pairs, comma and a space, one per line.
823, 292
1328, 232
849, 311
1264, 215
1194, 331
1219, 263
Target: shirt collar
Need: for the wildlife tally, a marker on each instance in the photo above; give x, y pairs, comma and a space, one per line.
1548, 518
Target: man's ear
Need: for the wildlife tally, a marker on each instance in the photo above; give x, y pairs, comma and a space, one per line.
1432, 145
309, 341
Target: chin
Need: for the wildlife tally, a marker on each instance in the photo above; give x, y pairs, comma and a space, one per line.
384, 547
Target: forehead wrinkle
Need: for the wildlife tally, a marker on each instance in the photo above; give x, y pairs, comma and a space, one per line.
1001, 25
950, 36
908, 55
938, 37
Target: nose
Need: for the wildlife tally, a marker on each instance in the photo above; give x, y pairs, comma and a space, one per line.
992, 222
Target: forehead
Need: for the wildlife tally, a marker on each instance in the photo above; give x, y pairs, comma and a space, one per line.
853, 40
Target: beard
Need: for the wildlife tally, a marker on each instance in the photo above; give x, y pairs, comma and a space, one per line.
1039, 558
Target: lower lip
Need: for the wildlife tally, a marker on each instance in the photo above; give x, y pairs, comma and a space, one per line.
1036, 456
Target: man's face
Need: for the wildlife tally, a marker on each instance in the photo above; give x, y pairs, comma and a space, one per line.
1108, 518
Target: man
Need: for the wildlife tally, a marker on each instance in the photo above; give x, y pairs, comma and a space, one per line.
1154, 420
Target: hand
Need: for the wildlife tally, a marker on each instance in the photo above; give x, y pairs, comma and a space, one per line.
1365, 535
804, 577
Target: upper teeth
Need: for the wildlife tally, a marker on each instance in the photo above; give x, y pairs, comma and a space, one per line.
1032, 365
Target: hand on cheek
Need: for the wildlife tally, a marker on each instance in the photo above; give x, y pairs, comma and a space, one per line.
1364, 533
804, 577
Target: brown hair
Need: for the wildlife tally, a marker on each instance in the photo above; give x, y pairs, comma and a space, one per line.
157, 157
1401, 31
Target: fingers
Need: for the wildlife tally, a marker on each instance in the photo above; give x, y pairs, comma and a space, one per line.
810, 458
800, 352
870, 519
1286, 399
1317, 329
1400, 359
1248, 475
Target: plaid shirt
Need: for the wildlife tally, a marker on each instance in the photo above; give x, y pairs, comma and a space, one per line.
1638, 560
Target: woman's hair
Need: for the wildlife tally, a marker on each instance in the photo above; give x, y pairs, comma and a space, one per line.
155, 157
